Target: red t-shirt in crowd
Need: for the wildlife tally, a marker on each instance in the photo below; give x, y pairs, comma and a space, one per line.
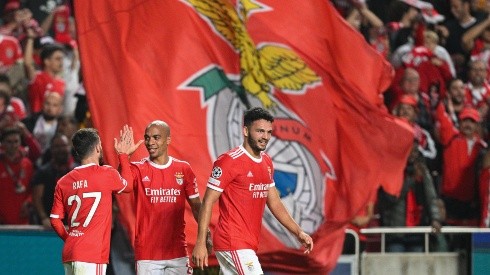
42, 83
14, 186
10, 52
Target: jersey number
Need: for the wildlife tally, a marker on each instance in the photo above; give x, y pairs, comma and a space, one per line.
76, 198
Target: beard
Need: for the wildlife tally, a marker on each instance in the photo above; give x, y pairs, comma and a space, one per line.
254, 145
101, 158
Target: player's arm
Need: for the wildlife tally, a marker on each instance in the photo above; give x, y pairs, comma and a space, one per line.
195, 204
57, 215
200, 254
280, 212
126, 174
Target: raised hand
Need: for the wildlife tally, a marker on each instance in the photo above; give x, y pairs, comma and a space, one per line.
125, 144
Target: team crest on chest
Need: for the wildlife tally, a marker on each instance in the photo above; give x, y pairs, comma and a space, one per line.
179, 178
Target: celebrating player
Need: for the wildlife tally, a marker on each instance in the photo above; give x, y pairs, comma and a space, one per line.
242, 180
85, 196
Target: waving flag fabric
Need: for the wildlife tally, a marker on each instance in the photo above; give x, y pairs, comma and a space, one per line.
198, 64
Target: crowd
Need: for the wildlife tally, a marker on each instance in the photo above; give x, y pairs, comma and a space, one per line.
42, 104
440, 51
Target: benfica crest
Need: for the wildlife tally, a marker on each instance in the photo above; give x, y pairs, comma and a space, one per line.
179, 178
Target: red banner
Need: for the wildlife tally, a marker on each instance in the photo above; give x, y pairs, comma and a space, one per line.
199, 64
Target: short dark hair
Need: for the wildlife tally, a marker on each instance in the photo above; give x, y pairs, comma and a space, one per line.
84, 142
256, 113
49, 49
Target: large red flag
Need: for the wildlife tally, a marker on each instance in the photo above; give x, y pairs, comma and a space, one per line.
198, 64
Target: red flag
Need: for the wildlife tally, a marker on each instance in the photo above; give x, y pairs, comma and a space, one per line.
198, 64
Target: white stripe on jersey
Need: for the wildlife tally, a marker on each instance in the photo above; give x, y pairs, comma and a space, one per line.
54, 216
194, 196
124, 182
215, 188
236, 153
214, 181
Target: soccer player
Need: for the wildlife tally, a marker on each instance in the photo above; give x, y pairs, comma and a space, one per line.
242, 180
162, 185
84, 195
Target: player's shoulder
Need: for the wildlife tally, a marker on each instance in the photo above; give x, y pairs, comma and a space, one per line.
181, 163
232, 154
141, 162
66, 177
266, 157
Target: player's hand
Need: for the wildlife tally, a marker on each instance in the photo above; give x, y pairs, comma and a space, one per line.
200, 256
306, 241
126, 145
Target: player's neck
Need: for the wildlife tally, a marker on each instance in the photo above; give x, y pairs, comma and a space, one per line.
90, 160
161, 160
252, 152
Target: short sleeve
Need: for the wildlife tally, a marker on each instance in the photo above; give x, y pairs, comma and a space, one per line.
222, 173
118, 183
57, 211
190, 182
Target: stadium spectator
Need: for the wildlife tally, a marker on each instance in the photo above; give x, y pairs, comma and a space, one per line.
44, 181
455, 100
15, 174
462, 151
409, 84
16, 104
407, 109
16, 21
456, 28
50, 78
43, 124
416, 206
477, 88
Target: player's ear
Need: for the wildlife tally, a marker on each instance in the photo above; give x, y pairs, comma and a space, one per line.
245, 131
168, 140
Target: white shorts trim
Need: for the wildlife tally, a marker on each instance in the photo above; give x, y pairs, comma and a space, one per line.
83, 268
176, 266
241, 262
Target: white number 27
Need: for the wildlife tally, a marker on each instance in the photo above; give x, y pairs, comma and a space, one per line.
76, 198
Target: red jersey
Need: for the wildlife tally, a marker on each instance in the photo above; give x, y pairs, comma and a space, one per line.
85, 195
10, 52
14, 186
42, 83
161, 192
244, 182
